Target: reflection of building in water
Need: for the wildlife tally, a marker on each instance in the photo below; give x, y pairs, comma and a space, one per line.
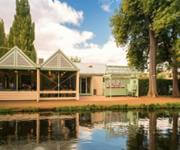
117, 123
114, 122
22, 131
91, 119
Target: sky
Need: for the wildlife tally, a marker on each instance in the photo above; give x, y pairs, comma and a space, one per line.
77, 27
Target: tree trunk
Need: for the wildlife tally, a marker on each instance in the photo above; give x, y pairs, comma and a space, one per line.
175, 92
152, 65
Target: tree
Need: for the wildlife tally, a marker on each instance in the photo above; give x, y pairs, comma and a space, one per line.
169, 52
136, 24
22, 30
3, 49
167, 27
75, 59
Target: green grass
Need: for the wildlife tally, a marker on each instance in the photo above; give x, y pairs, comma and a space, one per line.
150, 107
6, 111
95, 108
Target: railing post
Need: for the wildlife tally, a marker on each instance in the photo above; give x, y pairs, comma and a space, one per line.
38, 84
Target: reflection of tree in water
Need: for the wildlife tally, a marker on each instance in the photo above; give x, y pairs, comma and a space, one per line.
163, 139
152, 130
174, 138
169, 140
136, 138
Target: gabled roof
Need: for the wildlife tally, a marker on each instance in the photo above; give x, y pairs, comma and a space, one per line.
16, 59
58, 61
120, 70
91, 69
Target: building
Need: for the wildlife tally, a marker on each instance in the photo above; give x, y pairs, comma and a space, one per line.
121, 81
59, 78
22, 79
91, 79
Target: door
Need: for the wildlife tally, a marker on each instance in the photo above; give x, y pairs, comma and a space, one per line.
85, 85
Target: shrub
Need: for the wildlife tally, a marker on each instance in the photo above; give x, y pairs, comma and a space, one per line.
163, 86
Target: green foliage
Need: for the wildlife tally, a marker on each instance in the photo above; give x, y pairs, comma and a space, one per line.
164, 87
167, 15
75, 59
130, 26
22, 31
3, 41
6, 111
131, 22
96, 108
30, 110
135, 137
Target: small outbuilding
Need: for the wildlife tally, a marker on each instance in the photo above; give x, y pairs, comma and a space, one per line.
121, 81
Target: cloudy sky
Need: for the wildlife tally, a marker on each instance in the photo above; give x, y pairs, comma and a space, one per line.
77, 27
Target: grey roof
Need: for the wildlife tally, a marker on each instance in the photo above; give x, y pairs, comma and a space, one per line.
91, 69
120, 70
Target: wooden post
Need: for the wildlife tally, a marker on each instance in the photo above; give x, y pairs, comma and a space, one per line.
91, 86
58, 84
137, 87
38, 84
110, 87
17, 81
77, 85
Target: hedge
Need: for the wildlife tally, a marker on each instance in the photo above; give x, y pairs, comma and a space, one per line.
163, 87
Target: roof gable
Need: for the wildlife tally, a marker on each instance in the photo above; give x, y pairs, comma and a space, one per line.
16, 59
58, 61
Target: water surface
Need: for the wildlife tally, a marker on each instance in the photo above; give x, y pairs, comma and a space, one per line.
107, 130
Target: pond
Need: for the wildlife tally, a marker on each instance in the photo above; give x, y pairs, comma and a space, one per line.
108, 130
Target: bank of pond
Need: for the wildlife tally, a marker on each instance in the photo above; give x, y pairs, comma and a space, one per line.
94, 108
127, 130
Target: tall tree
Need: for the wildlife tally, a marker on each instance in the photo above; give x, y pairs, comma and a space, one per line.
167, 27
22, 30
136, 24
3, 41
169, 50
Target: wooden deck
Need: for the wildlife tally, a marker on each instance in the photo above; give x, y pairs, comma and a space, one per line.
20, 95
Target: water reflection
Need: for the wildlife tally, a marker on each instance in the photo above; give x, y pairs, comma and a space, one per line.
91, 131
37, 131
